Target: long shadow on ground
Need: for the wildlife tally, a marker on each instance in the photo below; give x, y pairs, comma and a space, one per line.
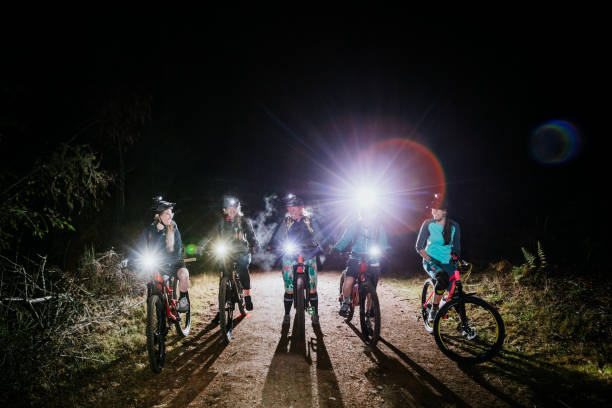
327, 384
141, 387
539, 383
400, 386
288, 382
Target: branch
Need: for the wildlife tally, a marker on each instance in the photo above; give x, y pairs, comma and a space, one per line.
30, 301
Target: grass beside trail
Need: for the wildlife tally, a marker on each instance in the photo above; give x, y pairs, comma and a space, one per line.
558, 347
121, 357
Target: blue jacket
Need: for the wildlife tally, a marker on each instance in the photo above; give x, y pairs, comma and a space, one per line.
363, 237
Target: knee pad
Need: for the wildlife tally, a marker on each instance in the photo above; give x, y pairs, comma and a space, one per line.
442, 282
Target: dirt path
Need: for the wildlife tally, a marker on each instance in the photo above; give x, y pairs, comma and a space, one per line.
261, 366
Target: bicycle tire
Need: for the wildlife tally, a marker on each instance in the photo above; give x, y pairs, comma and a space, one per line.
300, 323
480, 341
239, 297
156, 325
370, 327
183, 326
427, 295
226, 309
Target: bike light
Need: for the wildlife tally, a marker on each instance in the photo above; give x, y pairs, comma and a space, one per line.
374, 250
290, 248
148, 260
221, 250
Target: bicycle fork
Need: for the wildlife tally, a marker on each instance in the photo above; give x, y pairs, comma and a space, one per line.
301, 269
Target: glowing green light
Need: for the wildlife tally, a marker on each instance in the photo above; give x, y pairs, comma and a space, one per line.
190, 249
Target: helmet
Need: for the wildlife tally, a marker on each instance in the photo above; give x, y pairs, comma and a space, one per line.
292, 201
229, 201
160, 205
438, 202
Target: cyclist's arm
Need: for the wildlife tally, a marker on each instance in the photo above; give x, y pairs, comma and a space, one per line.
456, 245
382, 241
317, 235
346, 238
250, 235
178, 245
422, 240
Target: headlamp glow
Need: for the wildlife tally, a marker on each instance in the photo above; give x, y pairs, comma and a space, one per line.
290, 248
374, 250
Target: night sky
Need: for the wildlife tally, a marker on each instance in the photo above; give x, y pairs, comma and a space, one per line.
258, 105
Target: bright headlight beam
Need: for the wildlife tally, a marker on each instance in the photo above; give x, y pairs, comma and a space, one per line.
220, 250
374, 250
290, 248
148, 260
366, 197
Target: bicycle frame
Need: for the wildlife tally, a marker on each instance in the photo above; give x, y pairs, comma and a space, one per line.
455, 284
301, 269
233, 275
363, 277
164, 288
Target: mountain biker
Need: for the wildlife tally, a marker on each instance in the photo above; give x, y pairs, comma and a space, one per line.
238, 232
439, 238
163, 239
367, 240
303, 232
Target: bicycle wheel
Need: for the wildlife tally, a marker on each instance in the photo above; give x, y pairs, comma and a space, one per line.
427, 296
226, 309
369, 319
474, 338
298, 294
183, 324
239, 296
156, 336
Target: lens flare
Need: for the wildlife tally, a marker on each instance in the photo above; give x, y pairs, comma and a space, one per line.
408, 173
554, 142
290, 248
148, 260
374, 250
221, 250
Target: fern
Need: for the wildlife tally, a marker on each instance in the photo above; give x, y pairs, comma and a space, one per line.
530, 258
542, 257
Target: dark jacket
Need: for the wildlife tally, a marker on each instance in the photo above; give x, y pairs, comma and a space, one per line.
153, 241
239, 233
304, 233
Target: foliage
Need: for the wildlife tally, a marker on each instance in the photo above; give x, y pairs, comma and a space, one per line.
68, 182
566, 319
535, 267
50, 319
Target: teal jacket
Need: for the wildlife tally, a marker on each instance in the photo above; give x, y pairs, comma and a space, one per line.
432, 241
363, 238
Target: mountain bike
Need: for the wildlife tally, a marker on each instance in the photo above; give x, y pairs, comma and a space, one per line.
466, 328
230, 291
364, 295
301, 288
162, 309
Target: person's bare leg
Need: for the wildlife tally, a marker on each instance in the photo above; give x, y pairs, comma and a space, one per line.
183, 276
